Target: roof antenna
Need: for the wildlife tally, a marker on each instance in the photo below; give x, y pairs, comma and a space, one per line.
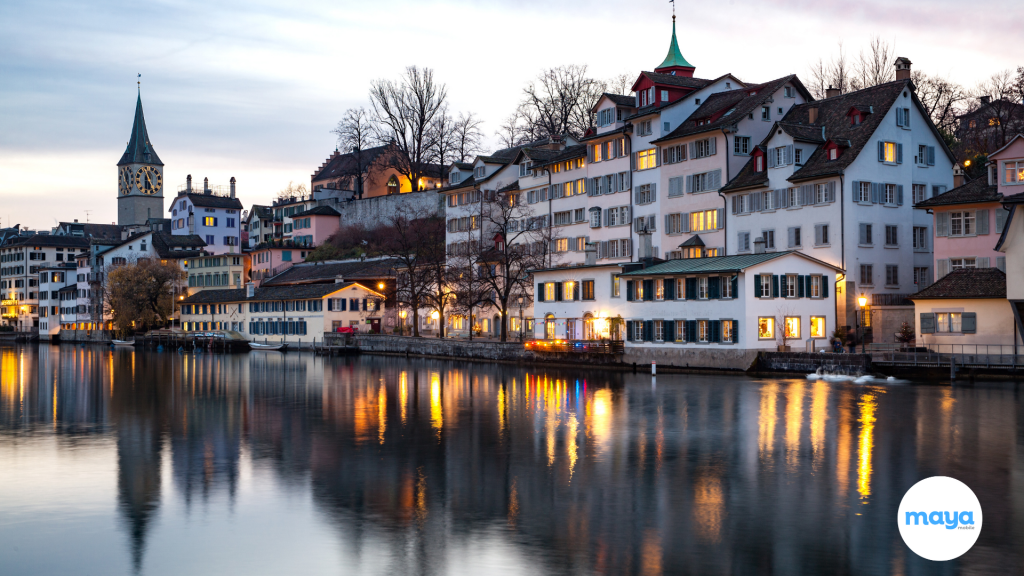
87, 214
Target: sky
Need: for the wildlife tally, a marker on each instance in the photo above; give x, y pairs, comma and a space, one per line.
252, 89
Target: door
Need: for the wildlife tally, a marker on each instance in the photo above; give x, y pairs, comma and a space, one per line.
375, 325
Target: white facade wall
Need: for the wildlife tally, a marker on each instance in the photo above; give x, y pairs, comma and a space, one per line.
219, 227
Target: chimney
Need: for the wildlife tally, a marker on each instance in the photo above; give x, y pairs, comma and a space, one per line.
831, 92
958, 175
759, 246
812, 115
646, 250
339, 279
188, 184
902, 68
76, 220
590, 254
985, 100
232, 186
250, 290
206, 187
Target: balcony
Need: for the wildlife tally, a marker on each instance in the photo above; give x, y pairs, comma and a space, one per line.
891, 300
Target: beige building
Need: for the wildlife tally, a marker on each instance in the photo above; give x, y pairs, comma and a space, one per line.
966, 312
228, 270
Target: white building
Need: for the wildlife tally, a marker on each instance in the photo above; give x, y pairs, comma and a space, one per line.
837, 180
210, 214
58, 295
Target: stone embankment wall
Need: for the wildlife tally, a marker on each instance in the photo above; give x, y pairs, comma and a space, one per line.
103, 336
373, 212
734, 359
807, 362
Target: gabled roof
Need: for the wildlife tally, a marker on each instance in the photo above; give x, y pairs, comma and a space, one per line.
977, 190
139, 150
183, 246
49, 240
570, 153
748, 176
595, 136
209, 201
620, 99
318, 211
90, 230
719, 264
727, 108
345, 164
327, 272
273, 293
261, 212
1007, 145
463, 165
692, 242
966, 283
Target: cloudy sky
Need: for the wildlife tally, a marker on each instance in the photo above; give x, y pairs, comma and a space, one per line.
251, 89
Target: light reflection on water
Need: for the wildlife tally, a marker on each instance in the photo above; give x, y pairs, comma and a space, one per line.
269, 463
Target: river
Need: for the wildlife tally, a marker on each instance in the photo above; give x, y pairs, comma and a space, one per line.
121, 462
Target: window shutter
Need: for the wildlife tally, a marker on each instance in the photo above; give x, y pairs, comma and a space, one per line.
330, 304
899, 194
632, 161
941, 268
807, 286
734, 205
689, 183
881, 151
664, 156
712, 146
652, 223
771, 158
1001, 263
607, 217
648, 290
654, 191
775, 285
540, 292
720, 220
931, 155
757, 285
969, 323
906, 117
714, 290
691, 288
1000, 219
648, 330
715, 179
800, 286
942, 224
684, 222
789, 154
928, 323
824, 286
670, 294
629, 330
630, 293
693, 150
832, 191
899, 116
981, 221
899, 153
876, 192
792, 238
668, 224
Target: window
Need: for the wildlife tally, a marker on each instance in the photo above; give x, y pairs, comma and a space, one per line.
865, 235
948, 322
864, 192
659, 289
741, 145
1014, 172
792, 326
890, 194
789, 92
921, 277
703, 220
960, 263
615, 286
638, 330
866, 275
766, 113
286, 255
889, 152
562, 245
659, 331
815, 287
702, 288
618, 216
780, 110
479, 173
798, 156
453, 177
644, 128
892, 275
791, 281
563, 218
794, 237
766, 285
580, 215
725, 285
209, 240
595, 217
766, 328
647, 159
961, 223
727, 331
743, 242
919, 192
891, 236
817, 326
769, 239
759, 164
645, 194
638, 290
549, 292
673, 154
703, 148
588, 290
209, 221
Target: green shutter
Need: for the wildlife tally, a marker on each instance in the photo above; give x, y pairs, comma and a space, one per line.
648, 290
691, 288
757, 285
558, 291
800, 286
969, 323
670, 330
629, 330
735, 331
824, 286
716, 331
648, 330
735, 286
775, 285
927, 323
713, 288
540, 292
629, 290
670, 289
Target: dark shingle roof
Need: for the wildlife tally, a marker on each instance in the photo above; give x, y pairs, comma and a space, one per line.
210, 201
326, 272
90, 230
966, 283
673, 80
621, 99
50, 240
345, 164
261, 212
802, 132
267, 294
318, 211
726, 108
183, 246
977, 190
570, 153
717, 264
747, 177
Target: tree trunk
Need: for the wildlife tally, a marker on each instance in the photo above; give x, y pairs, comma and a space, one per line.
416, 322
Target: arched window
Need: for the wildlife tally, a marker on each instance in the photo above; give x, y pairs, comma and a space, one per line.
393, 185
549, 327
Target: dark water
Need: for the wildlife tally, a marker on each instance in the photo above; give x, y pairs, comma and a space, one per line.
117, 462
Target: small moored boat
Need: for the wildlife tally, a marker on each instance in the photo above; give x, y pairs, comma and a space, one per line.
123, 342
258, 346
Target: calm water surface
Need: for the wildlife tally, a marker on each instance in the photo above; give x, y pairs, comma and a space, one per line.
122, 462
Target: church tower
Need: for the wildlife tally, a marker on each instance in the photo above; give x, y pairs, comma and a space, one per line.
140, 177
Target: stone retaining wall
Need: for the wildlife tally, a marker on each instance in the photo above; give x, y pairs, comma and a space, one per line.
807, 362
378, 210
102, 336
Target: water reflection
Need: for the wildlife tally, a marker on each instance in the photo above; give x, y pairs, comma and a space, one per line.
434, 467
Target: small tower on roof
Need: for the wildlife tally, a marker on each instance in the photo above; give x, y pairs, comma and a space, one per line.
674, 62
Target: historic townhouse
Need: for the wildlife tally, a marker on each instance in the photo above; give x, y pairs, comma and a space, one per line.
58, 293
211, 214
259, 223
967, 222
206, 272
701, 155
20, 264
837, 179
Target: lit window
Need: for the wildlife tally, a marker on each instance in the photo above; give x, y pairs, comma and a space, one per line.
766, 328
727, 331
1014, 172
702, 288
890, 152
659, 289
549, 292
792, 326
947, 322
703, 331
639, 289
647, 159
208, 221
817, 326
659, 331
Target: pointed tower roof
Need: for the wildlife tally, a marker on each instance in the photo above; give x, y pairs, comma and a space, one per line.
139, 150
674, 60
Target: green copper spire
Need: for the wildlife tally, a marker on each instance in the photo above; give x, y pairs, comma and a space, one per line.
139, 150
675, 57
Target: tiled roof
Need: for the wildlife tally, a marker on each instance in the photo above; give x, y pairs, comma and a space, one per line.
832, 114
606, 134
511, 187
90, 230
717, 264
464, 165
747, 177
183, 246
673, 80
326, 272
570, 153
540, 154
966, 283
1013, 198
268, 294
344, 164
621, 99
318, 211
727, 108
49, 240
802, 132
977, 190
210, 201
262, 212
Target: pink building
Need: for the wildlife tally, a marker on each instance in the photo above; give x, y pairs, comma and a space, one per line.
270, 260
314, 226
966, 224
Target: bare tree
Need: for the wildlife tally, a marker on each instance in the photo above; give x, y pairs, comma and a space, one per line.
512, 131
621, 84
468, 137
356, 134
443, 140
405, 110
416, 241
942, 99
471, 292
874, 65
832, 74
559, 101
292, 191
995, 112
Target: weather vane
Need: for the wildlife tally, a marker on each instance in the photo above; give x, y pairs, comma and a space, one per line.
139, 81
673, 3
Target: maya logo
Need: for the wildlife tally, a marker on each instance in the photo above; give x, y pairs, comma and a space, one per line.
948, 519
960, 516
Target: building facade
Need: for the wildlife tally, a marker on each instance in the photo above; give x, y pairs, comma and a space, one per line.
213, 215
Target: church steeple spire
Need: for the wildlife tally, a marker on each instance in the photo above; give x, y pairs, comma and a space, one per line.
674, 62
139, 150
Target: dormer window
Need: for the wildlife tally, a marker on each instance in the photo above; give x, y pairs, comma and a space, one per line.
759, 164
453, 178
480, 171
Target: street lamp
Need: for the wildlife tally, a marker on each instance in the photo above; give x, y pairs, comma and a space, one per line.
401, 324
862, 302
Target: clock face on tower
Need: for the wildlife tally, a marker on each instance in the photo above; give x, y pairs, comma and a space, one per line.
124, 180
148, 180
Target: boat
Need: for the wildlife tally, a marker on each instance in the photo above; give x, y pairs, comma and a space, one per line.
258, 346
123, 342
